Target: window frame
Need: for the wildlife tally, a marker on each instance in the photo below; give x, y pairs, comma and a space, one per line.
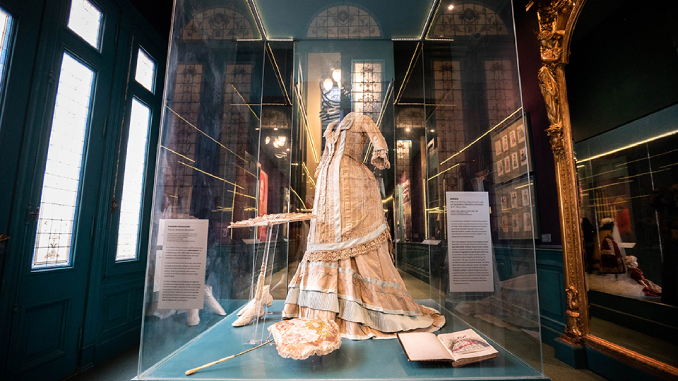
153, 100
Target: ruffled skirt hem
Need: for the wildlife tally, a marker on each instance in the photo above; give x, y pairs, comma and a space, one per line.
364, 295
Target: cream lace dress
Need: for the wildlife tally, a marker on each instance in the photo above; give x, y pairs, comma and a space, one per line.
347, 274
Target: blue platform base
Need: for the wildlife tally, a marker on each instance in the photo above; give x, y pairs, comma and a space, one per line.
355, 360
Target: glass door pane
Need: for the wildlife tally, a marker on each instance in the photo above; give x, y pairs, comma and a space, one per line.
64, 165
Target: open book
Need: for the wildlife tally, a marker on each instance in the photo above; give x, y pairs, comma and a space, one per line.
463, 347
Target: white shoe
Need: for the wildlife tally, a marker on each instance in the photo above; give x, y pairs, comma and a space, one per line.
212, 303
193, 317
254, 309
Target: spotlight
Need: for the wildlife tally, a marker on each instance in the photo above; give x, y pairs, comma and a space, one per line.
268, 140
328, 84
336, 75
450, 7
407, 129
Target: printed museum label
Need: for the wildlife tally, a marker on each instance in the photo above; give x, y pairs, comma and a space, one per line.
469, 243
184, 252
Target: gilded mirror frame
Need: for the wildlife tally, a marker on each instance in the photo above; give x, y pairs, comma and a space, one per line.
557, 19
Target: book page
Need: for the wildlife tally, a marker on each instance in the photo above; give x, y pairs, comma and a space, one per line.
466, 344
423, 346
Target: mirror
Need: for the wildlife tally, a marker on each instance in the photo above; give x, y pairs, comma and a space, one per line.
624, 129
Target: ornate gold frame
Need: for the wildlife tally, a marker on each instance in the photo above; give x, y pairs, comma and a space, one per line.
557, 19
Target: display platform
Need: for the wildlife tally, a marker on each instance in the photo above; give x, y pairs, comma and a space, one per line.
355, 360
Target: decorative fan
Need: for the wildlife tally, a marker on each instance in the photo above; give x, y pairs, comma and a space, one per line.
301, 338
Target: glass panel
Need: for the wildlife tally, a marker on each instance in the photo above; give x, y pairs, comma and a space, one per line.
133, 181
627, 180
64, 163
5, 37
210, 166
85, 21
255, 128
145, 72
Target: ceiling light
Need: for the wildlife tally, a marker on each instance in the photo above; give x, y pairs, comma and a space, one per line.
275, 128
328, 84
450, 7
268, 140
336, 75
432, 130
407, 129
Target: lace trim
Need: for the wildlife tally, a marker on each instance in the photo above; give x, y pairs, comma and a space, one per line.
349, 252
380, 158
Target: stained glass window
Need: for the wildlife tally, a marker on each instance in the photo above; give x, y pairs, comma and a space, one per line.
133, 181
61, 182
85, 21
368, 89
219, 24
501, 99
448, 115
343, 21
145, 72
467, 20
183, 112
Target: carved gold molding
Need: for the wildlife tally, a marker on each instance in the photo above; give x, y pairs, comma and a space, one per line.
555, 27
557, 19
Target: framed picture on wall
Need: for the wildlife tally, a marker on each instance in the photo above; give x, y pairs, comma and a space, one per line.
514, 198
511, 144
516, 209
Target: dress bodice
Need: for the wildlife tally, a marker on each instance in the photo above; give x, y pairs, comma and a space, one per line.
355, 144
358, 130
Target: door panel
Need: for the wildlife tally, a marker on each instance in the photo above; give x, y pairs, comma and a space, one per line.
46, 334
43, 333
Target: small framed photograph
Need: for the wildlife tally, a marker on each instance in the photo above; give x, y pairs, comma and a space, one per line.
527, 222
514, 160
516, 223
512, 138
526, 197
500, 168
504, 142
514, 200
504, 203
497, 147
523, 156
504, 224
520, 131
507, 165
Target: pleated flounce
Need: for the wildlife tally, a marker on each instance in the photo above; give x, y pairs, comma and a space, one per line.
364, 295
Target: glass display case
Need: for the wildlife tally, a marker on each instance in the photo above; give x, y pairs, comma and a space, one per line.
630, 228
262, 99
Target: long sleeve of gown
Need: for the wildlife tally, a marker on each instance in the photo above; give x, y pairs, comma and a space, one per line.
379, 147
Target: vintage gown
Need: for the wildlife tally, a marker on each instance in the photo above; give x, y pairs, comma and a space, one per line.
347, 274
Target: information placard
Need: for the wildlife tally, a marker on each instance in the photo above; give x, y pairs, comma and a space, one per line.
182, 283
469, 242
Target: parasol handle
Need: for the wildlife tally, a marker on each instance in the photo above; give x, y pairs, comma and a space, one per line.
190, 372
